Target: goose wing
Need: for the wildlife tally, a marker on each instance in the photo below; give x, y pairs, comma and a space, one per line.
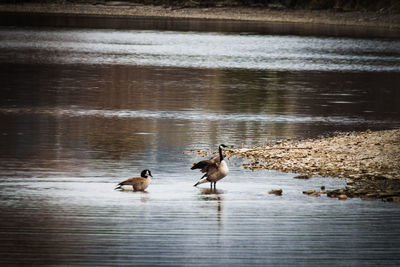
207, 165
212, 169
132, 181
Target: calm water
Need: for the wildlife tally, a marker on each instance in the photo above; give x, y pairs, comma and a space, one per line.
82, 109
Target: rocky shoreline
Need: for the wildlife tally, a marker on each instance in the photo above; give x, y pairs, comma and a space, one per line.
263, 14
370, 160
361, 155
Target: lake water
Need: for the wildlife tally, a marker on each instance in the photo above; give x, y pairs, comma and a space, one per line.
81, 109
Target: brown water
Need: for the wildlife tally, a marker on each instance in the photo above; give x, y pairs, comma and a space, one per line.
82, 109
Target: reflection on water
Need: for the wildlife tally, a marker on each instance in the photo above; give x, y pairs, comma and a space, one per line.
198, 50
211, 194
216, 196
198, 25
70, 132
64, 118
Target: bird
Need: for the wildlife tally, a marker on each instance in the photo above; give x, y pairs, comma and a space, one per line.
137, 183
215, 169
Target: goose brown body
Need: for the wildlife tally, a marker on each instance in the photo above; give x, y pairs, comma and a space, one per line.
215, 169
138, 183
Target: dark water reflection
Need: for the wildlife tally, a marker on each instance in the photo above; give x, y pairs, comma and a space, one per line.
70, 132
199, 25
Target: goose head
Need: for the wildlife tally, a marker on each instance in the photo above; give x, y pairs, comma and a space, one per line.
146, 173
221, 156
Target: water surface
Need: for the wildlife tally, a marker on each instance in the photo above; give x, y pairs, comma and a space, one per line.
199, 50
82, 109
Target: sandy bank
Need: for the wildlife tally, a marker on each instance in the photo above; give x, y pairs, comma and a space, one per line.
370, 19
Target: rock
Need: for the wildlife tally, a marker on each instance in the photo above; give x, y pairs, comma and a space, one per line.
334, 193
351, 193
316, 194
277, 192
371, 195
119, 3
277, 6
361, 191
309, 192
303, 176
392, 199
313, 193
342, 197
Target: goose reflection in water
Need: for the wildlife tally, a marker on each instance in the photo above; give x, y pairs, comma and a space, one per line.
143, 196
212, 194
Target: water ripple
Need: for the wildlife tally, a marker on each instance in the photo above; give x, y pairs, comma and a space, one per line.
198, 50
189, 115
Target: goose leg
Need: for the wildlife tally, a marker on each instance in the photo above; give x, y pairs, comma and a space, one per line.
215, 185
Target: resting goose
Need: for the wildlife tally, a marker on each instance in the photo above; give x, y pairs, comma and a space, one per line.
137, 183
215, 169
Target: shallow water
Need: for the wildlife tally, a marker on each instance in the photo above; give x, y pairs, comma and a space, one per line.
82, 109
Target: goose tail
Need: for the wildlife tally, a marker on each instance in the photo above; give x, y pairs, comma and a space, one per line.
201, 181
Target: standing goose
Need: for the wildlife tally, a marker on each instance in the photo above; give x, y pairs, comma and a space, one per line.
137, 183
215, 169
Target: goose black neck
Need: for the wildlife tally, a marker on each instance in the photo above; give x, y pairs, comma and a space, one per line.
221, 156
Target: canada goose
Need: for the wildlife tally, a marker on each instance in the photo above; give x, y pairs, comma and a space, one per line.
137, 183
215, 169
